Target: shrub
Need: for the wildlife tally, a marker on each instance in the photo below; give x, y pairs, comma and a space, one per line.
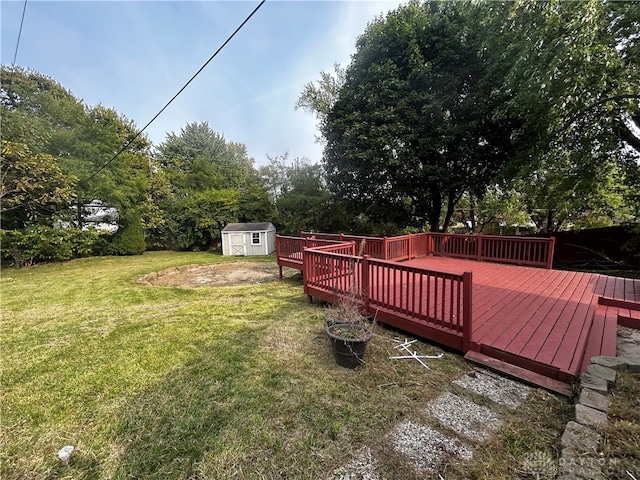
129, 239
40, 243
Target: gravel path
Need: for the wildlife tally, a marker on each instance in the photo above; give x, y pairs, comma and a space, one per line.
463, 426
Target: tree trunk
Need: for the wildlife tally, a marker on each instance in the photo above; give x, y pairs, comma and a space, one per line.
549, 228
472, 213
79, 213
435, 210
451, 203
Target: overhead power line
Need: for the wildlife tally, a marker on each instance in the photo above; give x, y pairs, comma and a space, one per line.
15, 54
124, 147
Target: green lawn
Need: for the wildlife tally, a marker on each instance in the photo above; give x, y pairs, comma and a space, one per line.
226, 382
172, 383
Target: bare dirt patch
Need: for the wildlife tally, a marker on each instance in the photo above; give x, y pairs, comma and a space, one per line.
216, 275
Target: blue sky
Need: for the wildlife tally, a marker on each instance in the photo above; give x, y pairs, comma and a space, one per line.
134, 56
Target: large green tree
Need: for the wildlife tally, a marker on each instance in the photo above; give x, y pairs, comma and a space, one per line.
549, 89
41, 114
412, 129
300, 197
570, 71
211, 182
33, 189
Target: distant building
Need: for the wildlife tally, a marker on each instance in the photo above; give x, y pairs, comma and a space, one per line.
95, 214
248, 239
100, 217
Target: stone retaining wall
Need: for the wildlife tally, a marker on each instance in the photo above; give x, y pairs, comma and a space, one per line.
581, 458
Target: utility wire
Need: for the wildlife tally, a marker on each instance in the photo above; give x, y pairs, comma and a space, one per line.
15, 54
176, 95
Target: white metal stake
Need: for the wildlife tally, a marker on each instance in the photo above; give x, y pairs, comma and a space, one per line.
418, 356
413, 354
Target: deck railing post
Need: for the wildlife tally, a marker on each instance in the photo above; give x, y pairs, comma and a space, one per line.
552, 243
410, 245
354, 249
305, 273
364, 279
479, 247
385, 253
467, 303
278, 254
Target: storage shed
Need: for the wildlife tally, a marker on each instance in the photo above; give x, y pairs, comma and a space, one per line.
248, 239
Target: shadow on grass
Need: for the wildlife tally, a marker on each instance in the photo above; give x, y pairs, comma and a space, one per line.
165, 431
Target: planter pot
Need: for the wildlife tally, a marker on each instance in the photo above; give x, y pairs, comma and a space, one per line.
348, 351
329, 321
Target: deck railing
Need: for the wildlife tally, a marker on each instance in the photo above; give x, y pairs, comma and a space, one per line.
290, 246
408, 297
436, 297
373, 246
420, 244
397, 248
429, 303
289, 249
332, 276
532, 251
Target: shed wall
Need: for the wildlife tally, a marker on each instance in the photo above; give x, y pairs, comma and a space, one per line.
266, 246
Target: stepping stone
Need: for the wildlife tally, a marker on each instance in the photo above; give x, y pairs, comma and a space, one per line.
594, 383
605, 373
464, 416
363, 466
427, 448
576, 465
580, 438
502, 390
628, 343
590, 416
615, 363
633, 363
594, 399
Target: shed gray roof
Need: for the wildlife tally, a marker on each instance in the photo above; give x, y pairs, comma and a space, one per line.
249, 227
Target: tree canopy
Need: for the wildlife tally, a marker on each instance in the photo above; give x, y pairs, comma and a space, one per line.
209, 183
411, 130
443, 98
33, 188
40, 114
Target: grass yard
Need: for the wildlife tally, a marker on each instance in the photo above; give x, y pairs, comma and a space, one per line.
225, 382
622, 433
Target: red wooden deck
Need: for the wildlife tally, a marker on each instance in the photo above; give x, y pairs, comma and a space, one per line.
539, 325
549, 322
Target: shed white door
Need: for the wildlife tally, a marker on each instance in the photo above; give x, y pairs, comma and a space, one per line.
237, 244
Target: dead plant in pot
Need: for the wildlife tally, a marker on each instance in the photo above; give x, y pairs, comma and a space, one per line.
346, 323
